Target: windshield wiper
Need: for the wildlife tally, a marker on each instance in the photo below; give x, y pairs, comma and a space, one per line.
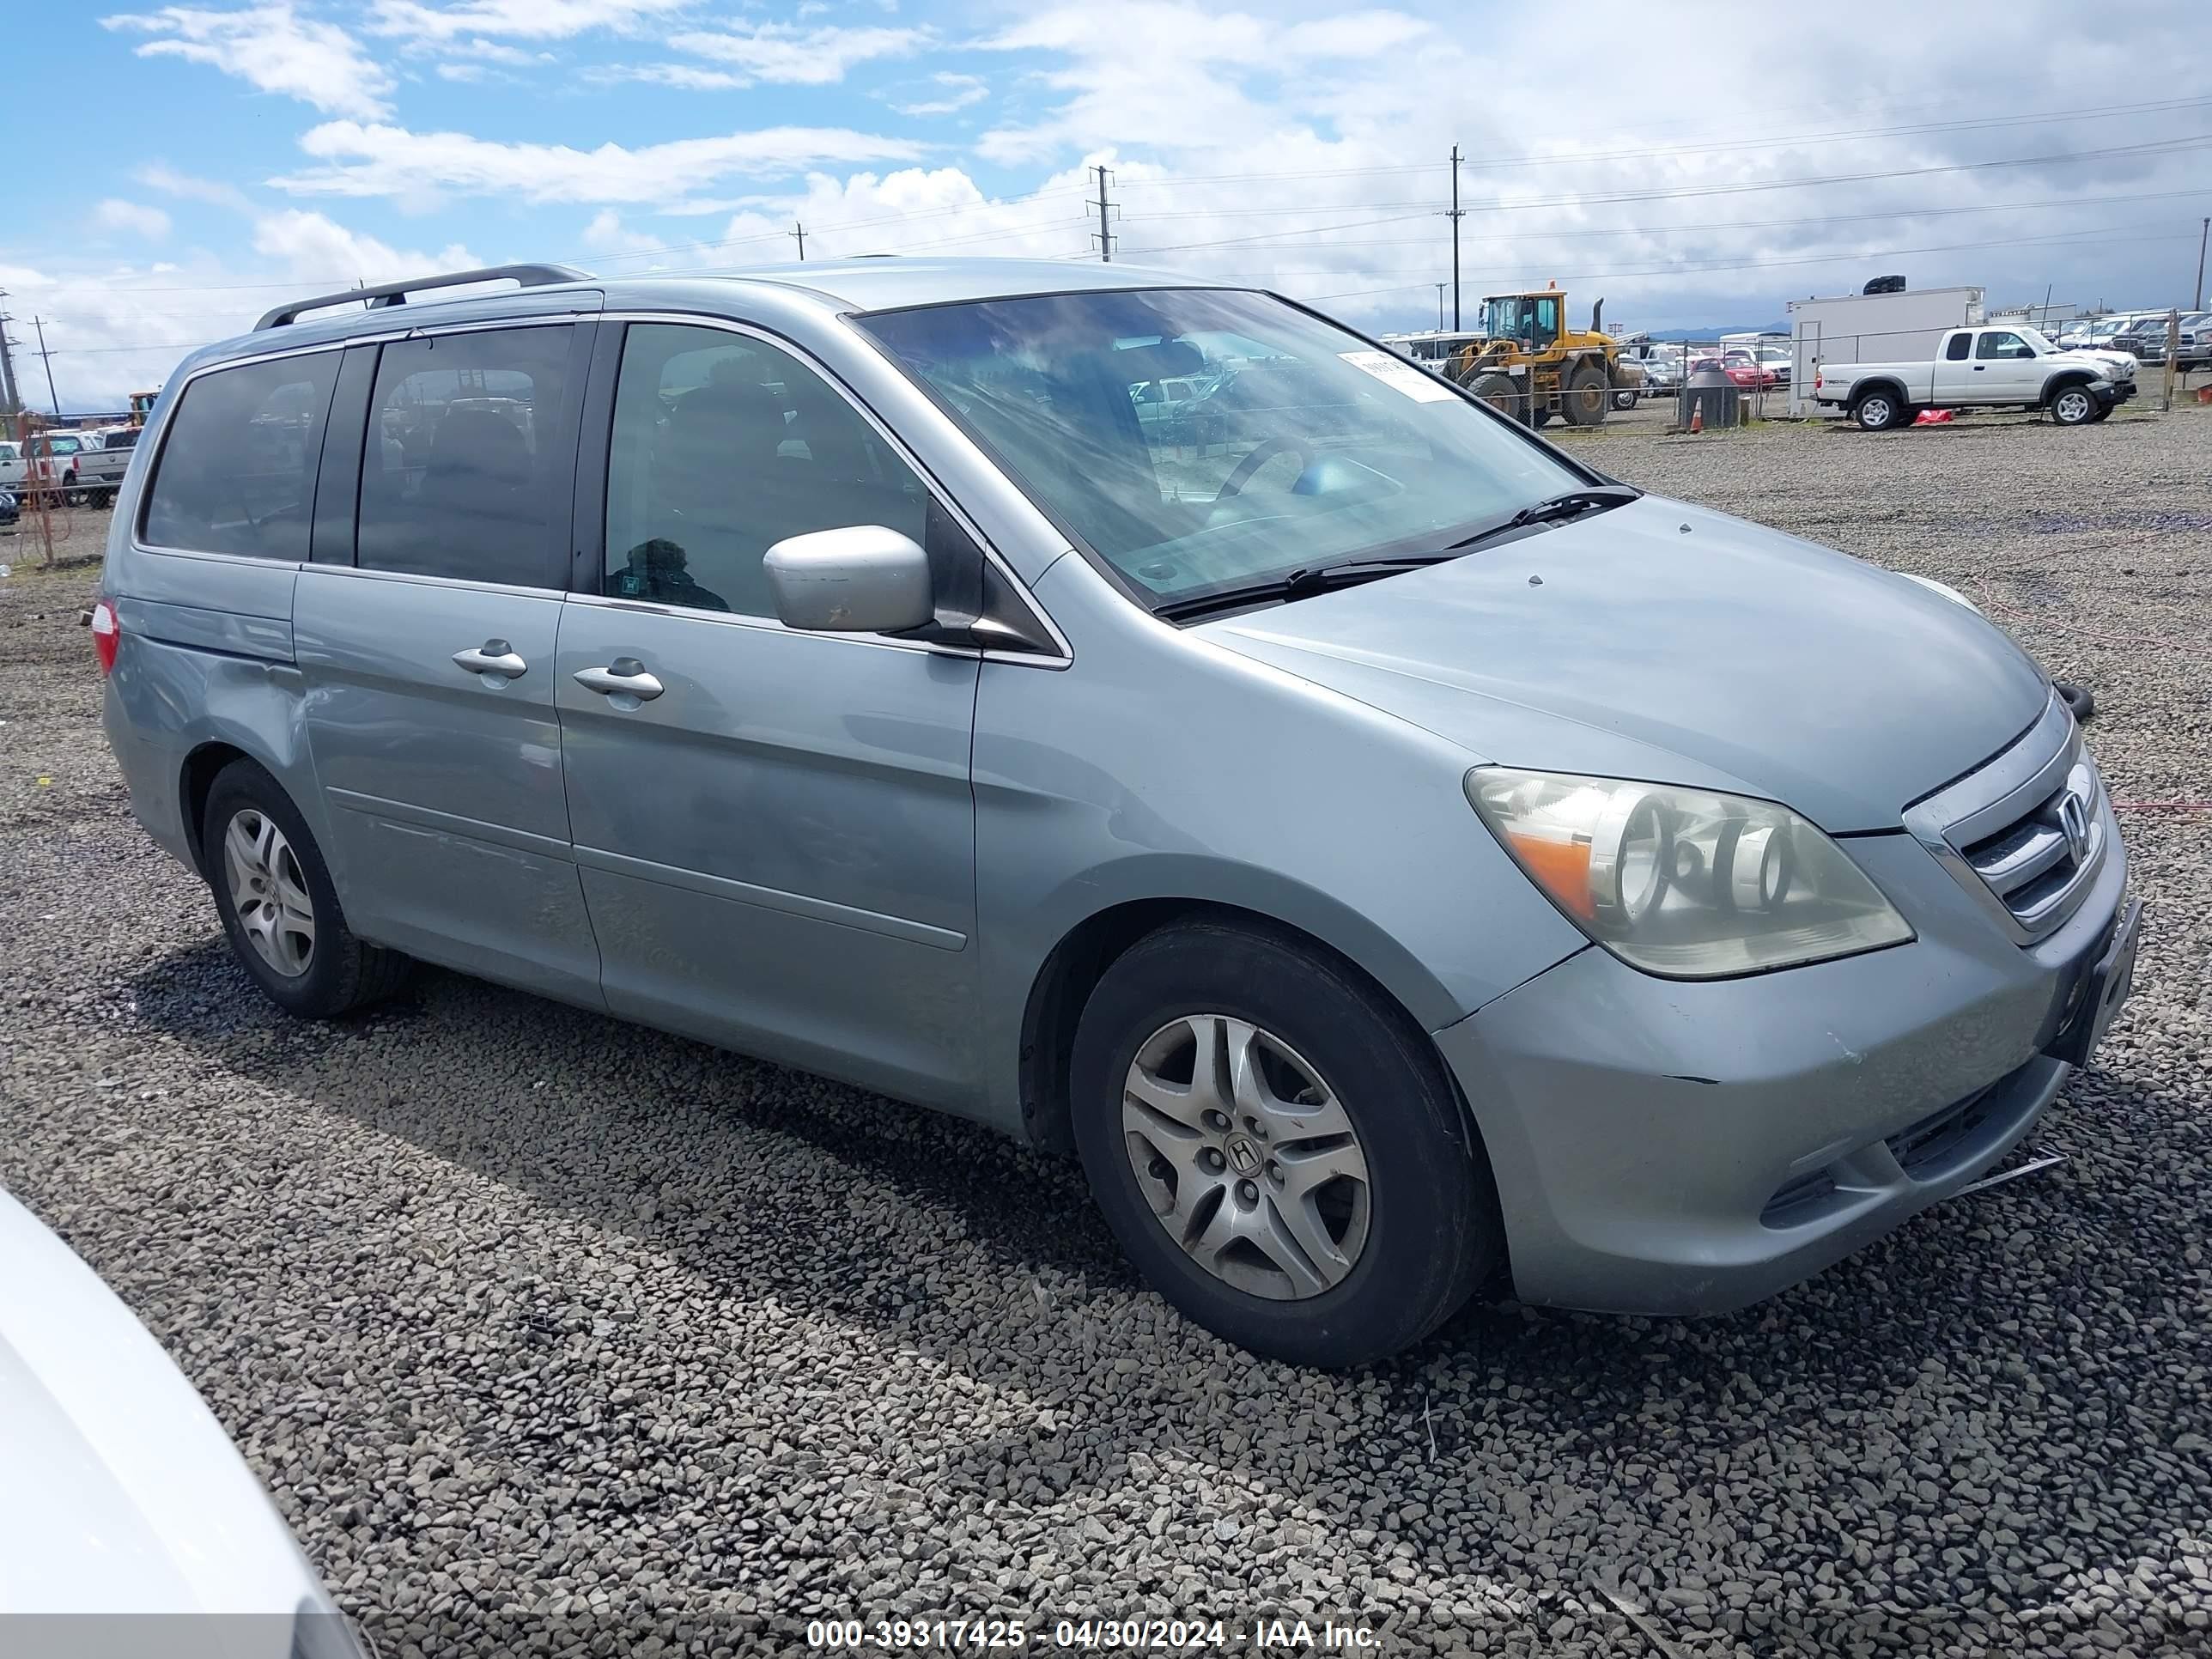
1567, 504
1321, 578
1298, 585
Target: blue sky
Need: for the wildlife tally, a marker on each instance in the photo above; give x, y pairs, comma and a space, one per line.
1705, 163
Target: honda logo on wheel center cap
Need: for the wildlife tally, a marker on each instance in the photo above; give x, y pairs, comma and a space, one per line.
1244, 1156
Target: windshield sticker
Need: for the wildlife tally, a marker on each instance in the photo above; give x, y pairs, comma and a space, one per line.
1399, 375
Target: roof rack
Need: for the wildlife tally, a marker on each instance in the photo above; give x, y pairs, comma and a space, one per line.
395, 294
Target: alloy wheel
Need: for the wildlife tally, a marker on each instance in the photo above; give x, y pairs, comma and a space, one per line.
269, 892
1247, 1157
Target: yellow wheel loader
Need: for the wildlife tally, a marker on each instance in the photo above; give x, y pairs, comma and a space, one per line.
1528, 364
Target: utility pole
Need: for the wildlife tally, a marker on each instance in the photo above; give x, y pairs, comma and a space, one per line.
10, 405
1105, 237
799, 231
2203, 231
1455, 216
46, 357
1440, 308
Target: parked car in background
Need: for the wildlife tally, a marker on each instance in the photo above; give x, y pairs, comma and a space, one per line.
10, 509
124, 1497
1663, 376
102, 460
12, 468
1165, 404
1979, 368
2147, 337
48, 460
873, 693
1741, 369
1778, 362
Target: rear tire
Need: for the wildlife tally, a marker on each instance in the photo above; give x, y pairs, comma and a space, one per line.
1583, 400
293, 937
1206, 1011
1625, 398
1881, 411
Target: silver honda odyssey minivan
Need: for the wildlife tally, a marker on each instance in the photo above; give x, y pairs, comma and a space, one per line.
1391, 854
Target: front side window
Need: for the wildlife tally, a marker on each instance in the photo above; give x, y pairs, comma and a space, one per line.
463, 473
1999, 344
236, 472
723, 445
1302, 445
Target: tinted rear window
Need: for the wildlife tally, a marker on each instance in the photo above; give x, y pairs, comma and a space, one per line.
237, 469
468, 467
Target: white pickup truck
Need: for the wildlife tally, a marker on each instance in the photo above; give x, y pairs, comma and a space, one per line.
2010, 367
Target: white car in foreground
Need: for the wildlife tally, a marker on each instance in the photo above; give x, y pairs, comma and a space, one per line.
129, 1524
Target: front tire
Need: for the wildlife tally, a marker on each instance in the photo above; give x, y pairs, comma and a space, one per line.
1277, 1147
279, 906
2073, 405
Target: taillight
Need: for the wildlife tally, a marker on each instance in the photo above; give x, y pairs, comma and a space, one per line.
107, 634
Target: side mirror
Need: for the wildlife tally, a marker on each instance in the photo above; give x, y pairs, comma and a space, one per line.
862, 579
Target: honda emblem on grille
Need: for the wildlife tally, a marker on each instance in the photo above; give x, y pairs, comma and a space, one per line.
2073, 819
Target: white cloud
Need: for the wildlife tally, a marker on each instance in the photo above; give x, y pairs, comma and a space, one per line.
779, 51
606, 234
160, 175
960, 92
271, 47
383, 161
316, 248
148, 221
688, 76
535, 19
103, 321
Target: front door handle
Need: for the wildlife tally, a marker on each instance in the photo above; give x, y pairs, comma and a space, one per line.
622, 675
492, 657
1979, 368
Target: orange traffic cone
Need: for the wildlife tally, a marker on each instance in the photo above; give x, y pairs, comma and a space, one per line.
1697, 418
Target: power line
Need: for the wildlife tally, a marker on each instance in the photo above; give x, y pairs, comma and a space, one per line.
1647, 151
1263, 240
2103, 239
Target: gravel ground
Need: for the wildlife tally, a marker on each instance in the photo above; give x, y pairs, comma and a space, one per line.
549, 1332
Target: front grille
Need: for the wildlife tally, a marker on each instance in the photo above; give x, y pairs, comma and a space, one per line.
2026, 833
2031, 864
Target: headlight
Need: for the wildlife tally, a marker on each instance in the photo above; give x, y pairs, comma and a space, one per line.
1684, 883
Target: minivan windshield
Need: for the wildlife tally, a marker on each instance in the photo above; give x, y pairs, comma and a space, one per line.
1290, 446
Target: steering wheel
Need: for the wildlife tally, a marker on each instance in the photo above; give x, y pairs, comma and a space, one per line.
1261, 453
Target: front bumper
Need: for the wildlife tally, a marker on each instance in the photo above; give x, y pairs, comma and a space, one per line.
1671, 1147
2118, 393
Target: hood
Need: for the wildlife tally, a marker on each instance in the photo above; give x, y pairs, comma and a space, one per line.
1666, 642
123, 1494
2112, 365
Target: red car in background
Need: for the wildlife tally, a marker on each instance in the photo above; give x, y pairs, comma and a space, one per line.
1742, 369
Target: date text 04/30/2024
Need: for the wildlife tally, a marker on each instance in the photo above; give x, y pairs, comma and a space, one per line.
1113, 1635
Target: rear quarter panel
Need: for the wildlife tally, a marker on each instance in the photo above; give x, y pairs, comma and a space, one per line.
206, 658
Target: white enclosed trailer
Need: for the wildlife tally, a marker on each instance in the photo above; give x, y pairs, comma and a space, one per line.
1871, 328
